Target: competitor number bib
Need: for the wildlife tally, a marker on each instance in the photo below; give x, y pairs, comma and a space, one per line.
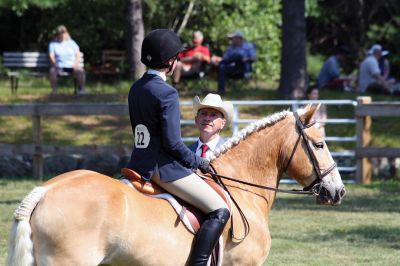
142, 136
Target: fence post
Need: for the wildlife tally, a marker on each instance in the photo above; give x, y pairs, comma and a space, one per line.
363, 126
37, 141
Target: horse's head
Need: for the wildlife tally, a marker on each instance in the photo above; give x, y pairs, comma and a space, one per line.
308, 159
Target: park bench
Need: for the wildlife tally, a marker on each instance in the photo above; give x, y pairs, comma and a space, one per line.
37, 64
112, 64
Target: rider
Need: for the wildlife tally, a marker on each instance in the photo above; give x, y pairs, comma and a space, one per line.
159, 153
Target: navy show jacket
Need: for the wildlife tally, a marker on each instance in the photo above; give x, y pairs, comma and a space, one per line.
155, 118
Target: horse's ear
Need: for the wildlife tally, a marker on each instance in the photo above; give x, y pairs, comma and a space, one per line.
307, 107
309, 113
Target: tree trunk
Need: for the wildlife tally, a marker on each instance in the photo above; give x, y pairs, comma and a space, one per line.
293, 80
135, 38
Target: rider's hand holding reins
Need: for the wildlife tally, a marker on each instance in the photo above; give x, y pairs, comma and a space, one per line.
204, 166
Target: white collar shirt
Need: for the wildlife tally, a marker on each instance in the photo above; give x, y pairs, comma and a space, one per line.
158, 73
212, 145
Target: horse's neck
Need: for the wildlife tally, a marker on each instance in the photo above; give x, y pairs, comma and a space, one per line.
256, 159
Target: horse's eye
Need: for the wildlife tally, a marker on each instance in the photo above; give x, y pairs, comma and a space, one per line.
318, 145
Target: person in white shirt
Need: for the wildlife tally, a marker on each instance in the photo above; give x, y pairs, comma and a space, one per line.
212, 115
65, 57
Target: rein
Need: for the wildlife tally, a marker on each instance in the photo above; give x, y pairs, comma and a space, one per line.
312, 189
289, 191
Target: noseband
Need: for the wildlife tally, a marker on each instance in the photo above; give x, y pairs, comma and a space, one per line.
321, 173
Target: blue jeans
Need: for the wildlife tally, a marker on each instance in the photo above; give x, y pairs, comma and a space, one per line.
231, 70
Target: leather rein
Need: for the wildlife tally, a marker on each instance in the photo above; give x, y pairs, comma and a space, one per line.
313, 189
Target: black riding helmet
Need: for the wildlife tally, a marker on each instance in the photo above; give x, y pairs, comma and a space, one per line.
159, 46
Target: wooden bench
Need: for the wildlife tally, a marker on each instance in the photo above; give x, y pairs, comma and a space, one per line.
37, 63
112, 64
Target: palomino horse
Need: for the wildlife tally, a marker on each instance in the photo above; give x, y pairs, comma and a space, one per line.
85, 218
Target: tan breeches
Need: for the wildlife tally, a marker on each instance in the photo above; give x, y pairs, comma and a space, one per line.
194, 190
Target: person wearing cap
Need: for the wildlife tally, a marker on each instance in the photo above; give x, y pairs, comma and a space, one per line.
192, 60
329, 76
212, 115
65, 57
236, 61
159, 153
370, 77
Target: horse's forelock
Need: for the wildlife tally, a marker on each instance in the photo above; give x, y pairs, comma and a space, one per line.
245, 132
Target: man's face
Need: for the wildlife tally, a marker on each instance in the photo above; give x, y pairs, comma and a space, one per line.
236, 41
210, 121
197, 40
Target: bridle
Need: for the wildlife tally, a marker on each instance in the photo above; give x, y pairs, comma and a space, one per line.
321, 173
313, 189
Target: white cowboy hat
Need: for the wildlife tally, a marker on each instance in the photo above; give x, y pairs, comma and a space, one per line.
214, 101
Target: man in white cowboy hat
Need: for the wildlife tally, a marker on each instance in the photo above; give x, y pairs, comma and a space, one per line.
212, 115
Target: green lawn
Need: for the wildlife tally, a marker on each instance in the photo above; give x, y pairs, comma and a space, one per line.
364, 230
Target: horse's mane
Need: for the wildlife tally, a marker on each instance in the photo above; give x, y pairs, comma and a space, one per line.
245, 132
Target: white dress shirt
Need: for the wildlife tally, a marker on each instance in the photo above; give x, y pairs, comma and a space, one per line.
212, 145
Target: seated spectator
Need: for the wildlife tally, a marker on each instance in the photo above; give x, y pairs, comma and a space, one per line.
329, 76
192, 60
236, 61
65, 56
320, 116
370, 77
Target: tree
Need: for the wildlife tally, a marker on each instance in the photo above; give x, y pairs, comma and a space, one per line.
135, 38
293, 60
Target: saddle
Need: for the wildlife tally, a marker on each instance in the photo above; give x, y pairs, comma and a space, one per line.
195, 217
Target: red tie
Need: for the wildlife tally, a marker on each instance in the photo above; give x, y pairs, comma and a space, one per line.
204, 149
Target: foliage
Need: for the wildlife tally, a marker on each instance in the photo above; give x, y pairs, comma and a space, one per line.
101, 24
258, 20
356, 24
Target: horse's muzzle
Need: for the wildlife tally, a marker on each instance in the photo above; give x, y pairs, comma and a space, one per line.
326, 196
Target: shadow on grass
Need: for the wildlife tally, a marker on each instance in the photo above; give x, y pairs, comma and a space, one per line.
384, 202
9, 202
388, 237
363, 235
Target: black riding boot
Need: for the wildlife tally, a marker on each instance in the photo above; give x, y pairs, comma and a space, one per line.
207, 237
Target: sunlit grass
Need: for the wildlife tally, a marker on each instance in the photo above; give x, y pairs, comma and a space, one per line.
364, 230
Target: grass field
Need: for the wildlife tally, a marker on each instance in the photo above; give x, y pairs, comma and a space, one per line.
364, 230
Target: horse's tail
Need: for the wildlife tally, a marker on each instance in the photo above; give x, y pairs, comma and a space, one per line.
20, 250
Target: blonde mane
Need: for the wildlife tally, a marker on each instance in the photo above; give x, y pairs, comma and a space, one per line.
245, 132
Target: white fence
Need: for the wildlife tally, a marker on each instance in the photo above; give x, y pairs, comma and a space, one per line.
39, 110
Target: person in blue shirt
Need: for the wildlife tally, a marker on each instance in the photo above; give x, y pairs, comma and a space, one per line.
329, 75
236, 61
65, 56
159, 153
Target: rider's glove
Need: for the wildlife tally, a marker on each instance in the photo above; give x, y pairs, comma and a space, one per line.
204, 166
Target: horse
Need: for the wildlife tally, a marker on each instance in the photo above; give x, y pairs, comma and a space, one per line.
86, 218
